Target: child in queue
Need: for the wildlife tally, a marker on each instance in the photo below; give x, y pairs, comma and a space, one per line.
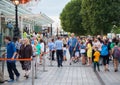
96, 59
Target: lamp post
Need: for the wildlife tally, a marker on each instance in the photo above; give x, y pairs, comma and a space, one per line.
51, 30
57, 31
16, 29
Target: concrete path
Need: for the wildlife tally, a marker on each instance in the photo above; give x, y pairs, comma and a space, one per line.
76, 74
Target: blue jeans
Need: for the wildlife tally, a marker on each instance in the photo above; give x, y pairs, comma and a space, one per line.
59, 57
72, 52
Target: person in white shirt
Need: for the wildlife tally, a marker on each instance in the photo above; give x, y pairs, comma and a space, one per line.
42, 50
97, 44
64, 52
64, 48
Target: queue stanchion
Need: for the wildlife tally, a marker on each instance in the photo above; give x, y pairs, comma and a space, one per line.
44, 63
50, 58
33, 63
35, 67
3, 66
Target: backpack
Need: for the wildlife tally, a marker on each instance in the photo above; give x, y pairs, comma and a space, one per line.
116, 52
104, 51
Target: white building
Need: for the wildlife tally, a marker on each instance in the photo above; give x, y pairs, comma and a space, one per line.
25, 17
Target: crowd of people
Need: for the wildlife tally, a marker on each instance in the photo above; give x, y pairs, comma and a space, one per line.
89, 51
95, 50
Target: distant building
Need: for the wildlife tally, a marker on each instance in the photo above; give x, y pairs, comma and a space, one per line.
26, 19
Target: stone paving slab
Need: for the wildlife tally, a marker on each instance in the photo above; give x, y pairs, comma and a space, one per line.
69, 75
76, 74
60, 76
111, 77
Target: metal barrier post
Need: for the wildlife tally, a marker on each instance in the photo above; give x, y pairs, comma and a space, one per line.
44, 62
3, 63
50, 58
33, 63
36, 67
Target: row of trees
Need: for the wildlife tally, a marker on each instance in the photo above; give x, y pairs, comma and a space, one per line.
91, 16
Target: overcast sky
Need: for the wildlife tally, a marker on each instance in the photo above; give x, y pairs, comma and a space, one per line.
51, 8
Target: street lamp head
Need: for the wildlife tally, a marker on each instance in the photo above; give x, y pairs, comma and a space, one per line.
16, 2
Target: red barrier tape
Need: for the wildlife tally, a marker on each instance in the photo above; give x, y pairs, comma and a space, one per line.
17, 59
47, 52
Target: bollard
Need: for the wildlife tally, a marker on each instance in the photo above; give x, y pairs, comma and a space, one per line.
50, 58
44, 62
3, 65
36, 67
33, 63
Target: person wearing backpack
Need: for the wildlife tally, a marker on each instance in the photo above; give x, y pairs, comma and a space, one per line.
105, 55
116, 56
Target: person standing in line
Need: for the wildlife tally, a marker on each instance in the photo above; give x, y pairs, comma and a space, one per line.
105, 55
17, 44
26, 52
64, 52
42, 50
83, 52
51, 46
89, 52
59, 51
72, 45
24, 34
11, 64
37, 51
96, 58
64, 49
77, 51
116, 55
100, 41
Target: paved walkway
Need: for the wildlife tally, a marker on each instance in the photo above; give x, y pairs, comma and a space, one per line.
76, 74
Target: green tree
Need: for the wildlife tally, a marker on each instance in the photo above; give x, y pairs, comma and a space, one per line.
116, 30
100, 15
71, 19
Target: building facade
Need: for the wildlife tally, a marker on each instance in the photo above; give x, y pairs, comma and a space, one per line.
26, 19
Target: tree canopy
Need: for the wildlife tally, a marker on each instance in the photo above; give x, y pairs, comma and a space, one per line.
91, 16
71, 19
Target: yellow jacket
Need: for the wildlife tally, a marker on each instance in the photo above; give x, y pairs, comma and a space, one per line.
97, 56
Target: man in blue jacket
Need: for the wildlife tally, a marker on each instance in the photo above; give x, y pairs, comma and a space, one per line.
11, 65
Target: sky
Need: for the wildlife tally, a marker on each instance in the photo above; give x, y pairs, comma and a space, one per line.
51, 8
